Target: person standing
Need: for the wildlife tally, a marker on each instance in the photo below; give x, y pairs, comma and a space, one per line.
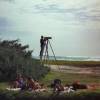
42, 45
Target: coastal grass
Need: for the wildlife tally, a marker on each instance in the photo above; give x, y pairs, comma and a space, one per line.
74, 63
68, 78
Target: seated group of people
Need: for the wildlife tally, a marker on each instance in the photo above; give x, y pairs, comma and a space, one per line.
26, 84
57, 86
31, 84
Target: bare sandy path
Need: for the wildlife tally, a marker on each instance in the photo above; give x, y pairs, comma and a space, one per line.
74, 69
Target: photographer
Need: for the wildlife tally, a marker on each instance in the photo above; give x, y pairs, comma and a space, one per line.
43, 43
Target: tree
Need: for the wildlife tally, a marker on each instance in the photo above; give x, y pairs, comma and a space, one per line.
15, 58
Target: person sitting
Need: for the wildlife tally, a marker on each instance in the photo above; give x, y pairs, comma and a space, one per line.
77, 85
57, 86
24, 84
68, 88
30, 83
37, 85
40, 87
54, 82
18, 83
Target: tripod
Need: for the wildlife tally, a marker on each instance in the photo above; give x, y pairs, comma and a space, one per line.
46, 55
48, 43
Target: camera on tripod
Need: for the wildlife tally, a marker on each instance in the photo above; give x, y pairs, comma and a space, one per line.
47, 38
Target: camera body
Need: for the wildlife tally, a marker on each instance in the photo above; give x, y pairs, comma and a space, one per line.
47, 38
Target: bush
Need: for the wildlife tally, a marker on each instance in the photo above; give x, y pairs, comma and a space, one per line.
16, 58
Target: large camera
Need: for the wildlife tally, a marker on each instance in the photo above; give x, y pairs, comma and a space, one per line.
47, 38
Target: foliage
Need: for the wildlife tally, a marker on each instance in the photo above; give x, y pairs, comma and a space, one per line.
26, 95
16, 58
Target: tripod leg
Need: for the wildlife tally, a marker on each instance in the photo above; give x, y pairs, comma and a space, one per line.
53, 54
45, 56
46, 53
47, 50
52, 49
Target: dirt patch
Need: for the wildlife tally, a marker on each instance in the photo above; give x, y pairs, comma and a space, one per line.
74, 69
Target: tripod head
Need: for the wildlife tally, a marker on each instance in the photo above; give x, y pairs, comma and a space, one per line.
47, 38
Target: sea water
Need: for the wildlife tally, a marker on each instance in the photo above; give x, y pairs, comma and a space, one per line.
72, 58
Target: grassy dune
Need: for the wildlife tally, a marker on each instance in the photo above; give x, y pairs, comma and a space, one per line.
67, 78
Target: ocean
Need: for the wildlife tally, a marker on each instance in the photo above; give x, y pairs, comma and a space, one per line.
72, 58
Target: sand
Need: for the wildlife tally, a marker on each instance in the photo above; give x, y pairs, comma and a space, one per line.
75, 69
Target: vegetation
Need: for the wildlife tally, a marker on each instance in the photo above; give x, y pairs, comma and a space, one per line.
68, 78
26, 95
16, 58
75, 63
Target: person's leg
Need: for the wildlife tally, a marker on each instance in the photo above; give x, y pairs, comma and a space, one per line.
41, 52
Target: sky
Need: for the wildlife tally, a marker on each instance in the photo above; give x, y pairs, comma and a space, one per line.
74, 25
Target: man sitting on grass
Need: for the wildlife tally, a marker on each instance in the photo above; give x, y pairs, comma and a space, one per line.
34, 85
56, 85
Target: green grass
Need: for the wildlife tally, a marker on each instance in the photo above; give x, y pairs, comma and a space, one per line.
3, 85
27, 95
66, 78
69, 78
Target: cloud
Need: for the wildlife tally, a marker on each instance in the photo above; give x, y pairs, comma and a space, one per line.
83, 11
5, 24
8, 0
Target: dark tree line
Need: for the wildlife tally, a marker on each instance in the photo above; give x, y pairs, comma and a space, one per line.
16, 58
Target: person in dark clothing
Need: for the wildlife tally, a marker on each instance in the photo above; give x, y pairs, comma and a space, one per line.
54, 82
42, 45
56, 85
